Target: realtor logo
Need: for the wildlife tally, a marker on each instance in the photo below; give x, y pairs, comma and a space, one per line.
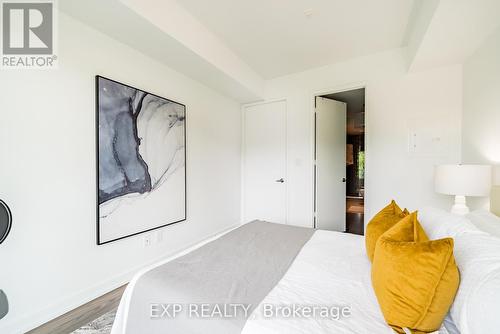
28, 34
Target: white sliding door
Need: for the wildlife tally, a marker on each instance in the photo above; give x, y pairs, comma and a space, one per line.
330, 164
264, 179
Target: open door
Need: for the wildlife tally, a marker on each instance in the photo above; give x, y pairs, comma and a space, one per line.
330, 165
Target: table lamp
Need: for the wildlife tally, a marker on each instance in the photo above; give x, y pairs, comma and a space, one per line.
461, 181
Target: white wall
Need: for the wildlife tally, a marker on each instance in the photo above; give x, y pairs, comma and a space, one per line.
395, 102
481, 115
50, 262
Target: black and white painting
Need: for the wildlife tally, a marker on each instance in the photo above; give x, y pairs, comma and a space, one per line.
141, 161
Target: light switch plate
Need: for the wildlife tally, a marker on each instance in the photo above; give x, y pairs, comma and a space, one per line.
426, 139
148, 240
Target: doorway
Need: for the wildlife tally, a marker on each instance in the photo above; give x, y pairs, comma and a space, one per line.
339, 173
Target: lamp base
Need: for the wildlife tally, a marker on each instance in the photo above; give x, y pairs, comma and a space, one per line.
460, 207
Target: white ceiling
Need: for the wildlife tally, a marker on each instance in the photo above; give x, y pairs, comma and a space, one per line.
233, 45
166, 32
452, 32
276, 37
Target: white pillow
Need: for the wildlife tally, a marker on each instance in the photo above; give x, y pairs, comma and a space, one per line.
476, 307
440, 224
485, 221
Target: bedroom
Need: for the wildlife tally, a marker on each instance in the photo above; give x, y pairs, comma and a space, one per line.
431, 75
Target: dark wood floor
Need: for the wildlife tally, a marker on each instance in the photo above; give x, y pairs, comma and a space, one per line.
82, 315
355, 216
355, 223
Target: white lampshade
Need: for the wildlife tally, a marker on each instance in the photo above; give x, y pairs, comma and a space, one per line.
463, 180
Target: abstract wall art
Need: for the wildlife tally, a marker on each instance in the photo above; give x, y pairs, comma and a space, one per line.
141, 161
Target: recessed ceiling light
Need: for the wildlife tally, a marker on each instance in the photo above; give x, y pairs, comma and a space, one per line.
308, 12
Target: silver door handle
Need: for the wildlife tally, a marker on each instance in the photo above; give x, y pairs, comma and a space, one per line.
280, 180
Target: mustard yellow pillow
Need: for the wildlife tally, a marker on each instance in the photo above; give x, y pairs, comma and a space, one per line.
378, 225
415, 279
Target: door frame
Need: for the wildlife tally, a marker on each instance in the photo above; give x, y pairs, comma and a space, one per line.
243, 154
337, 89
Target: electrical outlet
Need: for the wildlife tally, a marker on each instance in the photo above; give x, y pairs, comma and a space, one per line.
148, 240
159, 236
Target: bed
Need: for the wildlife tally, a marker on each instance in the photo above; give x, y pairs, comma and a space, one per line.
332, 269
264, 270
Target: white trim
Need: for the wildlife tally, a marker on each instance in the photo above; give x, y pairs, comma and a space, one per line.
242, 164
28, 322
336, 89
243, 189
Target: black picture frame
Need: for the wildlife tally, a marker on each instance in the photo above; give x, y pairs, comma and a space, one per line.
97, 123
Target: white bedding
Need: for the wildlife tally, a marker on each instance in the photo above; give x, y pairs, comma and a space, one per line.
485, 221
332, 269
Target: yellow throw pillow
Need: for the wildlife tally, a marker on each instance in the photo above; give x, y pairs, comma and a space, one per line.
383, 221
415, 279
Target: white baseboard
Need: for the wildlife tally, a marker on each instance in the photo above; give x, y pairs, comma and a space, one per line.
28, 322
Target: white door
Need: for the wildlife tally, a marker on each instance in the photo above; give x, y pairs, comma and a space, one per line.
264, 194
330, 164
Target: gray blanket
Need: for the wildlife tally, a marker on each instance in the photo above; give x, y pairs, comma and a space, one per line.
215, 288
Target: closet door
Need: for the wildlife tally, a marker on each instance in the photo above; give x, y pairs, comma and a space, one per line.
264, 162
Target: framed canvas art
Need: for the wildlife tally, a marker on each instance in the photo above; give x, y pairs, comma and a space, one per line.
141, 161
